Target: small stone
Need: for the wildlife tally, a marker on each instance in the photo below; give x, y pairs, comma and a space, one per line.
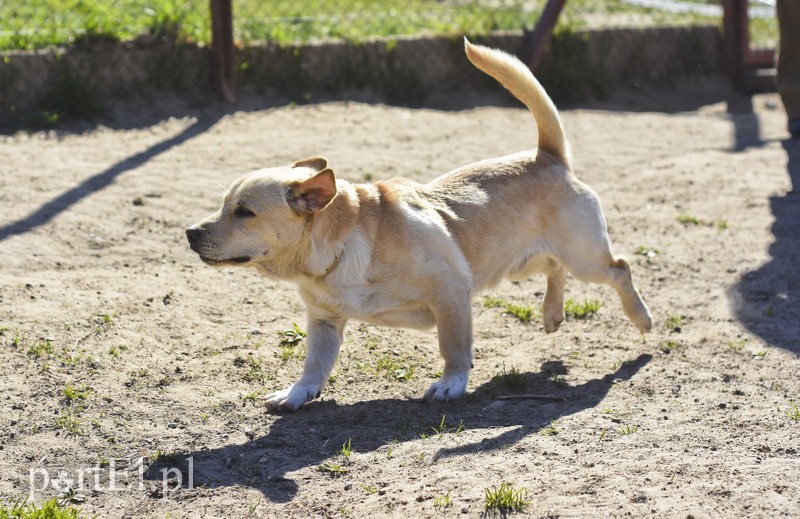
348, 485
172, 425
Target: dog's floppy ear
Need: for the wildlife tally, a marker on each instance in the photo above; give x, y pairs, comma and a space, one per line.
314, 194
316, 163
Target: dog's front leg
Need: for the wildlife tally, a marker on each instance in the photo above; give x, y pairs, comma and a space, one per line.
454, 328
323, 341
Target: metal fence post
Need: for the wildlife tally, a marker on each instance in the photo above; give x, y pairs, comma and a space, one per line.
222, 58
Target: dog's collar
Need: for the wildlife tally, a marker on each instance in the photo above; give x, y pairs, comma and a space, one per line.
330, 269
306, 232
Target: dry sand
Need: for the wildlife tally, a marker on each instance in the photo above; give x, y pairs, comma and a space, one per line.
100, 292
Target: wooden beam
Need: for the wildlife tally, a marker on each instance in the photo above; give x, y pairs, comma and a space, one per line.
733, 13
222, 55
537, 41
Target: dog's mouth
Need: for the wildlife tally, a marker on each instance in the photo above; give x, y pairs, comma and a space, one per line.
229, 261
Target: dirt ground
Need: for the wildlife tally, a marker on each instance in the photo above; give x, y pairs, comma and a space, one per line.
132, 372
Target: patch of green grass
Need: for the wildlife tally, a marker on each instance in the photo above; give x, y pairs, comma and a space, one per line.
737, 345
341, 463
670, 346
160, 457
81, 357
16, 341
558, 379
27, 26
523, 313
674, 322
443, 502
68, 421
254, 368
443, 428
793, 412
333, 468
72, 393
550, 430
394, 369
506, 499
290, 352
51, 509
512, 378
253, 396
292, 337
31, 24
690, 219
347, 449
583, 310
648, 252
628, 429
41, 349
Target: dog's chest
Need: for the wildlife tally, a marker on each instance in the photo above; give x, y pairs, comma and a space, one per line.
376, 304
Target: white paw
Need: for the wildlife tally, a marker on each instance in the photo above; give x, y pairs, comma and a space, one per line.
449, 387
645, 322
292, 398
552, 320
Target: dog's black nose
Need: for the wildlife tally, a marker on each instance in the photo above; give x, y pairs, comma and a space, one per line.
193, 234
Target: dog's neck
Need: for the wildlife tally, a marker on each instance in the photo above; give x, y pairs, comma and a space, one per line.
325, 234
328, 270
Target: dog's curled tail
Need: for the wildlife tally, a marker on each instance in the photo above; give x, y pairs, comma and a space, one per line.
518, 79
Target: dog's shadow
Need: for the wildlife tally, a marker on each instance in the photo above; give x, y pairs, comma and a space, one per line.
313, 436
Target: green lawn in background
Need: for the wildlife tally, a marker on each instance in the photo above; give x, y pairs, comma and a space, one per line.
36, 24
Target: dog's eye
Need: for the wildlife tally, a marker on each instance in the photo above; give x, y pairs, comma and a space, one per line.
243, 212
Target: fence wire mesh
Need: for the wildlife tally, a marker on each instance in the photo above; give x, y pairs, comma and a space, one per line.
100, 48
37, 24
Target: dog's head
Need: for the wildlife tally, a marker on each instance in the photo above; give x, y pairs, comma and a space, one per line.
263, 216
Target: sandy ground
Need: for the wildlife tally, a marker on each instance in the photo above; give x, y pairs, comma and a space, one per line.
129, 363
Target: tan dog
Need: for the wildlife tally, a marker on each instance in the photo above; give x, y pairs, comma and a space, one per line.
399, 253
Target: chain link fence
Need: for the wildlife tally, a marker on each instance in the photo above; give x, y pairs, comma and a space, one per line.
68, 53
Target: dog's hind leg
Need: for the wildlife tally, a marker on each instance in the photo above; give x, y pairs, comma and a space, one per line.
614, 271
632, 303
553, 306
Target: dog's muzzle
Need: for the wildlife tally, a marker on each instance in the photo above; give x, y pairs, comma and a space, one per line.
196, 235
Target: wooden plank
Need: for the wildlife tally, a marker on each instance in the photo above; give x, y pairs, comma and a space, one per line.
222, 50
537, 41
740, 58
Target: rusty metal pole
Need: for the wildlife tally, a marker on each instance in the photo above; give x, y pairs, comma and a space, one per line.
222, 56
537, 41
